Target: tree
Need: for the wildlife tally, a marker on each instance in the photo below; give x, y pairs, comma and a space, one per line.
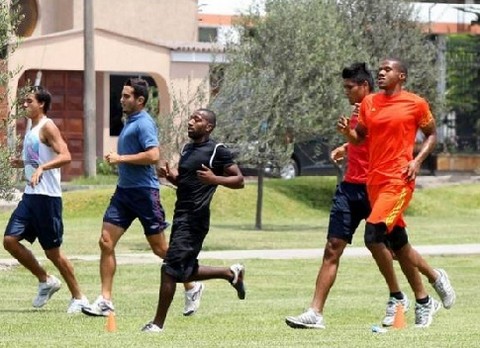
9, 20
390, 28
172, 126
282, 81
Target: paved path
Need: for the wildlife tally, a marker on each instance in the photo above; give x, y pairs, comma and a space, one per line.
277, 254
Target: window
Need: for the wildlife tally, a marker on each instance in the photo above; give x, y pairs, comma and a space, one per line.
29, 12
207, 34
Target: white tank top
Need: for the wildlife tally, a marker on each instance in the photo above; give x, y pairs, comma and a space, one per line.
36, 153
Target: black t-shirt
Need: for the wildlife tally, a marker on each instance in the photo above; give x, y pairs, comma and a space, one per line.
192, 195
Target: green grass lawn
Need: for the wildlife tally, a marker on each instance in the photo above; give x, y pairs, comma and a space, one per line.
275, 289
295, 215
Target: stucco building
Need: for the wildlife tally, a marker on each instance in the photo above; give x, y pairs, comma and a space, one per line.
157, 39
165, 41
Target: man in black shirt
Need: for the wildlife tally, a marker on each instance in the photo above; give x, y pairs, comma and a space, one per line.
204, 164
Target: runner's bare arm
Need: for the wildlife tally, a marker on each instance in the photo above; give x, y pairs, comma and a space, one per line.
354, 136
427, 147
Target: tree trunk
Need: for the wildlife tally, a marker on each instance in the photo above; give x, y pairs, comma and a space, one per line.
260, 176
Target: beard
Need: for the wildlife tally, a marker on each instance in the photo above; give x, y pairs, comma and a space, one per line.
194, 135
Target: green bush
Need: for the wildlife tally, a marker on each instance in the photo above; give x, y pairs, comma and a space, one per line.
105, 168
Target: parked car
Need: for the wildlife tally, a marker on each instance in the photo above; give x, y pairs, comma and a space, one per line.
311, 157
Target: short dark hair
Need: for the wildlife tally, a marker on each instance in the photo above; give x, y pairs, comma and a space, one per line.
140, 87
42, 96
402, 66
359, 73
210, 116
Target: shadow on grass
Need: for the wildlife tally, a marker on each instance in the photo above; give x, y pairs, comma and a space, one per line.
28, 311
139, 247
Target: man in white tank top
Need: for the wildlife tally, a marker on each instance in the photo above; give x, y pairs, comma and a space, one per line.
39, 213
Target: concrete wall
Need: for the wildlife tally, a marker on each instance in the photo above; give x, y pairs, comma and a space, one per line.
189, 80
54, 16
165, 20
171, 20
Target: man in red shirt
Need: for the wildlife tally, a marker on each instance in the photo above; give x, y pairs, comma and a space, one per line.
350, 207
391, 119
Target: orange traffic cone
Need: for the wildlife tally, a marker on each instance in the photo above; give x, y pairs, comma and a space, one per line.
111, 325
399, 318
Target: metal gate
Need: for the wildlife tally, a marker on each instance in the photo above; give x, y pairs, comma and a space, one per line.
462, 124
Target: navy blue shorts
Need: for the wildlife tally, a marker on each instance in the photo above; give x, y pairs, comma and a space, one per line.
143, 203
350, 206
38, 216
186, 240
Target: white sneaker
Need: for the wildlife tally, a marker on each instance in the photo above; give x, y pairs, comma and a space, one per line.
151, 327
46, 290
392, 309
100, 308
444, 289
238, 271
424, 312
76, 305
308, 320
192, 299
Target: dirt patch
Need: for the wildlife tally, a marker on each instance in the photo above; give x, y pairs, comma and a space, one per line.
443, 180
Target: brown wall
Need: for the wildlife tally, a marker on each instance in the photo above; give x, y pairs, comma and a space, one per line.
66, 111
458, 162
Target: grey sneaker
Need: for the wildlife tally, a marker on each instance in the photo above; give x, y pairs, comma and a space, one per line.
424, 313
392, 309
100, 308
46, 290
76, 305
444, 289
192, 299
151, 327
308, 320
238, 271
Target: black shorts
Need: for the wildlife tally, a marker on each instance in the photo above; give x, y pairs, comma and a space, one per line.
143, 203
186, 240
350, 206
38, 216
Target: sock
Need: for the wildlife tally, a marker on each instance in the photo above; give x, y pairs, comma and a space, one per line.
398, 295
423, 300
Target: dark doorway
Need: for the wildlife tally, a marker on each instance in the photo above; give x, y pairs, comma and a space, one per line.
116, 86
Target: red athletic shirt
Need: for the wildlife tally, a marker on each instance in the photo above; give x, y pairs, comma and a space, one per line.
392, 123
357, 159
